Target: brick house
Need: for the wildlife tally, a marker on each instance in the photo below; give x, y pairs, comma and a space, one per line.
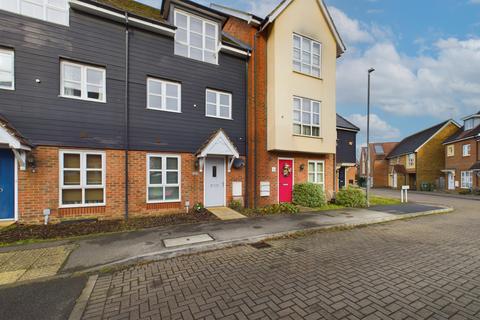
420, 158
462, 156
378, 163
292, 117
111, 108
346, 155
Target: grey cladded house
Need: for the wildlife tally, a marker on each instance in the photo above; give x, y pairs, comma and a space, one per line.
87, 87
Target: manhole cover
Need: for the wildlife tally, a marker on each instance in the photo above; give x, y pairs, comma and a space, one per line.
261, 245
174, 242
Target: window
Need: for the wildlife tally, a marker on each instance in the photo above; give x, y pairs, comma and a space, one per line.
466, 150
379, 149
411, 160
467, 181
55, 11
219, 104
316, 172
82, 82
306, 55
450, 150
82, 178
195, 38
306, 117
163, 178
7, 69
469, 124
163, 95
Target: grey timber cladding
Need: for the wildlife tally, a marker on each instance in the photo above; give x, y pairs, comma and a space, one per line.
37, 111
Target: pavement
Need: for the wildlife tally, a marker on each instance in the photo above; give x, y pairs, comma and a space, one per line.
426, 268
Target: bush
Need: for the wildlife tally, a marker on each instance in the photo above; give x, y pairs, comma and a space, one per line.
235, 205
279, 208
351, 197
465, 192
308, 195
198, 207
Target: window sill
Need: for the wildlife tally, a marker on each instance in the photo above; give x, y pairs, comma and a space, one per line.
81, 99
7, 89
171, 111
221, 118
305, 136
308, 75
166, 201
79, 206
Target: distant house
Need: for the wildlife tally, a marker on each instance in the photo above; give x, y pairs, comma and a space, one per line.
346, 152
462, 156
419, 158
378, 163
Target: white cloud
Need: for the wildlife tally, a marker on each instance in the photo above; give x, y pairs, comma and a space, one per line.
380, 130
262, 8
441, 86
351, 30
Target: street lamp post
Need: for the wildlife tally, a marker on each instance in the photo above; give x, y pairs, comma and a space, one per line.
368, 138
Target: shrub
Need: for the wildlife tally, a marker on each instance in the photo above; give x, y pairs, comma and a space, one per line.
198, 207
235, 205
279, 208
351, 197
465, 192
308, 195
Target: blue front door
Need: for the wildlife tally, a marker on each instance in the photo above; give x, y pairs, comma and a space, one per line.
7, 184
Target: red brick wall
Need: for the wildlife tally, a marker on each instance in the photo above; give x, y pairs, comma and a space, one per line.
40, 189
461, 163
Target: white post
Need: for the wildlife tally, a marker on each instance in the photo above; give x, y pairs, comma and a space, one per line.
406, 195
405, 189
401, 197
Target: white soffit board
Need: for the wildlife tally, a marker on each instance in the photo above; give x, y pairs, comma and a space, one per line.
175, 242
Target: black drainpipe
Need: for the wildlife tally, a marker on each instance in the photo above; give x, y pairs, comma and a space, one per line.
126, 114
255, 157
247, 200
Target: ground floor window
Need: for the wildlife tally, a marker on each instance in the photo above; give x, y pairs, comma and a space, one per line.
163, 178
467, 180
82, 178
316, 172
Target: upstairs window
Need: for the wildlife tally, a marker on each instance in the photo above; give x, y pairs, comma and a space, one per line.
411, 160
450, 150
306, 117
219, 104
55, 11
379, 149
466, 150
195, 37
307, 55
469, 124
163, 95
79, 81
7, 69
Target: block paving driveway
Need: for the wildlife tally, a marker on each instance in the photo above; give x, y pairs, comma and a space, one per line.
425, 268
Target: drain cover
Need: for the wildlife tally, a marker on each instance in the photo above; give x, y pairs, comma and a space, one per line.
260, 245
174, 242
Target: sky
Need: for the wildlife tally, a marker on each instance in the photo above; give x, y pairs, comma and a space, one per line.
426, 54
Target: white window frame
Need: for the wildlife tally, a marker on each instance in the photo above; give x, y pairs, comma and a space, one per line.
204, 36
311, 125
469, 124
11, 53
83, 178
46, 6
467, 150
310, 52
411, 160
164, 96
316, 172
217, 105
451, 150
164, 171
83, 81
466, 180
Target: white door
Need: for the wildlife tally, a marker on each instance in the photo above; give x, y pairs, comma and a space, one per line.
395, 179
215, 182
451, 181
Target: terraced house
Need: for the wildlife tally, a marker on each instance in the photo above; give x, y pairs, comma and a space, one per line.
418, 160
112, 107
462, 156
291, 105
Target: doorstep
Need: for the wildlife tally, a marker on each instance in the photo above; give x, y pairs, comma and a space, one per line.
225, 213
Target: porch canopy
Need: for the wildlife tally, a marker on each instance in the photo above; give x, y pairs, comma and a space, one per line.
218, 144
475, 167
399, 168
449, 171
11, 138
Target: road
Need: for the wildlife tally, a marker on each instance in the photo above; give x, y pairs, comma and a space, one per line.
425, 268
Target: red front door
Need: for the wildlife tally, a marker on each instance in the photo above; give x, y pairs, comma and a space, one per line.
285, 180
